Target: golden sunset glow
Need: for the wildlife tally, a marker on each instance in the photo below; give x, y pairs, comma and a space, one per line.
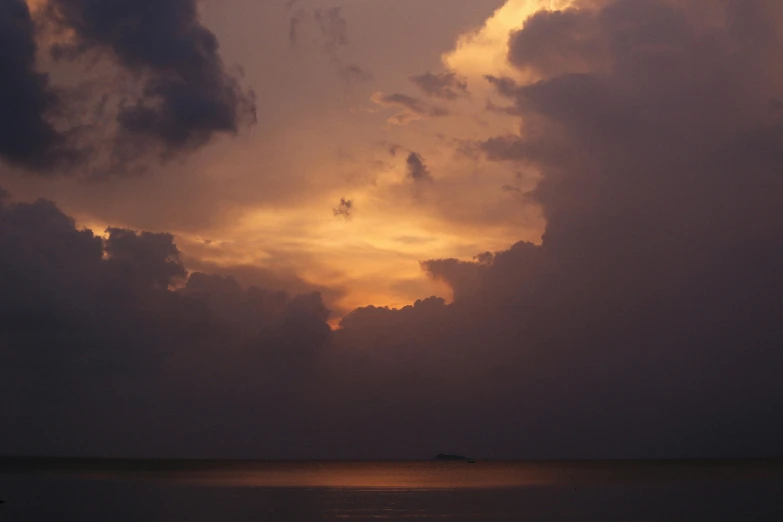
272, 199
484, 52
276, 197
457, 230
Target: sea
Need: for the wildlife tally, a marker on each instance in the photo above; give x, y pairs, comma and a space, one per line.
100, 490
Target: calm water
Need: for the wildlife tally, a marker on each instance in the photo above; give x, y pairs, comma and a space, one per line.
200, 491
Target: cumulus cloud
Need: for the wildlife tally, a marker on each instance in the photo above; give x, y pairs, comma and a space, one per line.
89, 324
149, 260
446, 85
561, 42
69, 294
646, 323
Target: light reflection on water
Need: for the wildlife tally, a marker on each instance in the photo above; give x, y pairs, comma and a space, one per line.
188, 491
397, 475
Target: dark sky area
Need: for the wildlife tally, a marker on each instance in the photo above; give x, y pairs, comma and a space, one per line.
619, 163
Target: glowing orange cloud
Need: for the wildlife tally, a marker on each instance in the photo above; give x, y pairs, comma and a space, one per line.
484, 51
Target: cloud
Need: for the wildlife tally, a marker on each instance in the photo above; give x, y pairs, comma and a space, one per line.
71, 295
645, 323
484, 50
445, 85
504, 86
87, 323
166, 92
276, 279
331, 29
150, 260
256, 310
330, 23
344, 210
293, 27
27, 137
414, 108
417, 169
187, 96
354, 73
561, 42
333, 26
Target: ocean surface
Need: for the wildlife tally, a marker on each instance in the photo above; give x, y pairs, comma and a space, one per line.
59, 490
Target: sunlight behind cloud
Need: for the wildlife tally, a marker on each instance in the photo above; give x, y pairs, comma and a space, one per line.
265, 199
369, 256
484, 52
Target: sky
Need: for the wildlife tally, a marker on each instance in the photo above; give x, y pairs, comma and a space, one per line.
391, 228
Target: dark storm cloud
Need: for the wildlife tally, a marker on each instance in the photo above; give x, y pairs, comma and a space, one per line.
445, 85
61, 293
271, 279
417, 169
647, 323
27, 137
176, 94
258, 312
150, 260
187, 95
92, 332
560, 42
344, 210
